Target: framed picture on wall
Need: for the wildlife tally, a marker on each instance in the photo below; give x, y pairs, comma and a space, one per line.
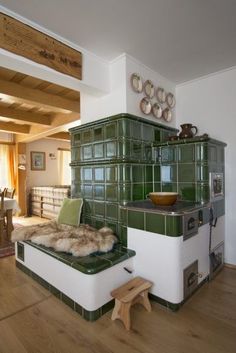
38, 160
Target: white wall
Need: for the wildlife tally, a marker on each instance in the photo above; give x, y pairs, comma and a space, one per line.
209, 103
94, 108
50, 176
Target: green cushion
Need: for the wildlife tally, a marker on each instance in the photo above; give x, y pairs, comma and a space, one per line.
70, 212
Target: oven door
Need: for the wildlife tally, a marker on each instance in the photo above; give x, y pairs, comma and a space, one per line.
216, 186
190, 225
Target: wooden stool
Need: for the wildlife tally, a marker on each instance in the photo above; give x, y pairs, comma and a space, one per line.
134, 291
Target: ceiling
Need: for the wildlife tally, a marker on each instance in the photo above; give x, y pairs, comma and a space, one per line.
31, 108
180, 39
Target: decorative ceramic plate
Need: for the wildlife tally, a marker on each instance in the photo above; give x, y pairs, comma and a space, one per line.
167, 115
149, 89
161, 95
170, 100
136, 83
157, 110
146, 105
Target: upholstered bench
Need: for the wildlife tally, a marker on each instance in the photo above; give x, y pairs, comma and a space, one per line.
83, 283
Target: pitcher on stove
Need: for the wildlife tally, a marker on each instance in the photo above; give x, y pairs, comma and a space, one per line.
187, 131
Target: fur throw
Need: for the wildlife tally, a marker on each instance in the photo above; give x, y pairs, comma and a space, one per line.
79, 241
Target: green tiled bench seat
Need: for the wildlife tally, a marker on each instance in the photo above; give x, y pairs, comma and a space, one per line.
83, 283
90, 264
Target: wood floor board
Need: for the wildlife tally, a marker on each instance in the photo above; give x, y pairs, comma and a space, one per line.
34, 321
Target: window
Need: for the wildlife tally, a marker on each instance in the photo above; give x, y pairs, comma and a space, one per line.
64, 158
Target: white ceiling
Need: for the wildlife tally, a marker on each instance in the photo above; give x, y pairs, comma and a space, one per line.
180, 39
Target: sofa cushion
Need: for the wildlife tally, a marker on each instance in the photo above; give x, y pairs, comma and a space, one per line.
70, 212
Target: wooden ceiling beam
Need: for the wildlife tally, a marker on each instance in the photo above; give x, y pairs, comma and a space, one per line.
35, 95
25, 116
63, 135
14, 128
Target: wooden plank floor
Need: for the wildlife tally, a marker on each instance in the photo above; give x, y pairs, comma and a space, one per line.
33, 321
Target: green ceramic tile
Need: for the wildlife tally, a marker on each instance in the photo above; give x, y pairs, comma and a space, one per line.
111, 149
114, 257
169, 173
220, 155
99, 175
202, 172
165, 135
155, 223
123, 235
203, 194
20, 251
113, 225
108, 306
111, 130
87, 152
137, 173
90, 264
23, 268
147, 133
187, 191
98, 150
136, 219
186, 172
78, 308
125, 173
99, 223
91, 315
111, 174
87, 136
68, 301
157, 173
202, 152
125, 192
148, 174
212, 153
87, 191
98, 133
112, 211
55, 291
111, 192
99, 192
124, 128
75, 154
168, 154
137, 191
157, 135
123, 216
87, 174
136, 130
148, 187
147, 153
174, 226
136, 150
88, 207
76, 174
40, 280
77, 191
99, 209
186, 153
124, 149
157, 187
76, 139
169, 187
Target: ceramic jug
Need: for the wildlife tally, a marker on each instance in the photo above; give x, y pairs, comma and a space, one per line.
187, 131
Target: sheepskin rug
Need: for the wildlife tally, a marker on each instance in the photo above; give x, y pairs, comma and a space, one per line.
78, 241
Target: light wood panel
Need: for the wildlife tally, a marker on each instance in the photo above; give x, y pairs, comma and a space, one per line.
13, 89
42, 324
15, 128
48, 108
24, 116
21, 39
65, 136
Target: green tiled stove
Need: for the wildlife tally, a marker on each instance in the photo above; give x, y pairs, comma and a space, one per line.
113, 162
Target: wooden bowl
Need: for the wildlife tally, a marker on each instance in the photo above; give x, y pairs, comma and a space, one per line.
163, 198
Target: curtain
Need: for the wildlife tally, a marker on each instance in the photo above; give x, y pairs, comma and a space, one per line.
7, 166
64, 158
